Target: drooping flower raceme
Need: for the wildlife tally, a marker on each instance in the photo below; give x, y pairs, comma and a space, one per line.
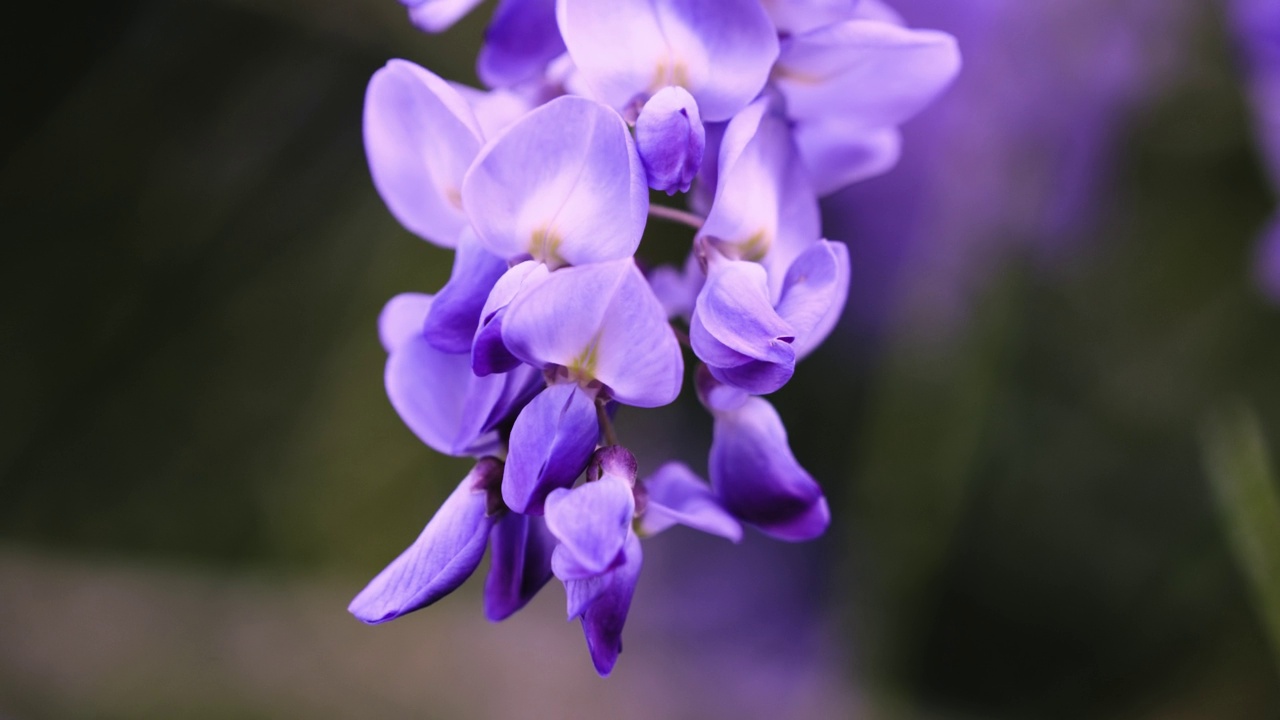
547, 323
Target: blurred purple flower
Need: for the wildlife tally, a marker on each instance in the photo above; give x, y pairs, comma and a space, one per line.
1013, 159
1257, 25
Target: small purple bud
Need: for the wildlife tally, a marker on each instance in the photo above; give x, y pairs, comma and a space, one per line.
613, 460
671, 140
487, 478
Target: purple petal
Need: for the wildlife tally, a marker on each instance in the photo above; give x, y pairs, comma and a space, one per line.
455, 315
798, 16
765, 208
604, 615
435, 16
562, 185
519, 564
402, 319
677, 290
442, 401
873, 74
600, 322
551, 442
441, 559
839, 154
758, 479
495, 110
670, 139
719, 50
735, 331
592, 521
488, 353
814, 293
420, 137
521, 39
678, 496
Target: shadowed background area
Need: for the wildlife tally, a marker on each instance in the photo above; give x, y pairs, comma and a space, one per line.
1038, 506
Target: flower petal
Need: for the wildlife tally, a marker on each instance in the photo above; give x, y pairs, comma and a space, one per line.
677, 495
435, 16
600, 322
719, 50
873, 74
454, 317
677, 290
521, 39
562, 185
606, 613
550, 444
814, 294
798, 16
670, 139
488, 353
441, 400
758, 479
520, 549
839, 154
592, 521
765, 208
735, 330
402, 319
1268, 262
420, 137
441, 559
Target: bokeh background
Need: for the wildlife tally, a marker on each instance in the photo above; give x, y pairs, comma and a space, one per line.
1043, 425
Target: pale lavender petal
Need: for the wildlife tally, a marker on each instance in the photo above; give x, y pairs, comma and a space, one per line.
592, 521
678, 496
719, 50
814, 294
878, 11
563, 185
495, 110
441, 559
441, 400
402, 318
670, 139
798, 16
873, 74
520, 549
605, 616
521, 39
488, 353
677, 289
737, 333
765, 208
550, 444
758, 479
438, 15
600, 322
420, 137
839, 154
455, 314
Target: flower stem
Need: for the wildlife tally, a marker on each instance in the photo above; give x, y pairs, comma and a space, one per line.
610, 436
675, 215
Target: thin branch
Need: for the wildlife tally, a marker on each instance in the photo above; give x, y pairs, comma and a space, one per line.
679, 216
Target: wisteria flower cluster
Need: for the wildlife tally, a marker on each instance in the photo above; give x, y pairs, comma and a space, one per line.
750, 108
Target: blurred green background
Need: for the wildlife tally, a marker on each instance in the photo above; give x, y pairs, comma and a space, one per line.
1061, 508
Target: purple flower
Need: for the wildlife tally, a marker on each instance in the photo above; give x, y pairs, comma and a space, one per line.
438, 15
563, 186
1258, 27
436, 394
758, 479
444, 555
670, 139
519, 42
520, 549
601, 327
718, 50
420, 137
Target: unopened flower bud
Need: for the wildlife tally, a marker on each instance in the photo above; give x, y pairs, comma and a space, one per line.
670, 139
